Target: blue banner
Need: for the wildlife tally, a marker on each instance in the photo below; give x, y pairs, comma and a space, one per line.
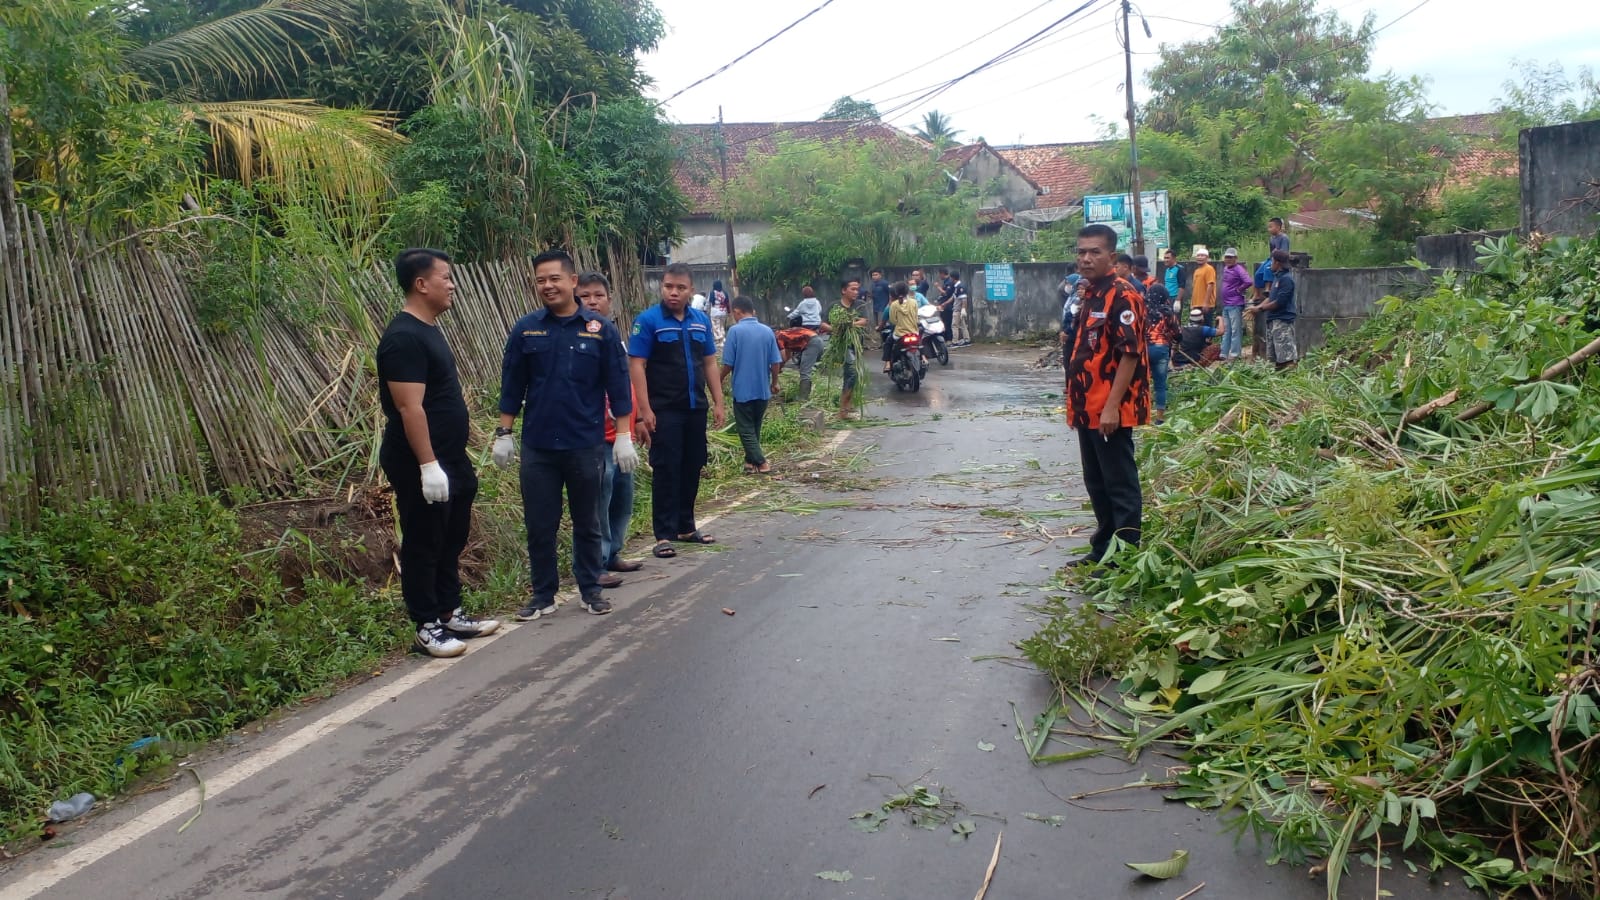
999, 282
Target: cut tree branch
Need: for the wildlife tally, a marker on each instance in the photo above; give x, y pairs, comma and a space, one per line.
1555, 371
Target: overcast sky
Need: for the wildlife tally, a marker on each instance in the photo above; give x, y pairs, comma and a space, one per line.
1049, 93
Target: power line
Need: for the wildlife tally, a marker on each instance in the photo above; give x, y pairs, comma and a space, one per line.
938, 59
996, 60
941, 58
1050, 80
825, 4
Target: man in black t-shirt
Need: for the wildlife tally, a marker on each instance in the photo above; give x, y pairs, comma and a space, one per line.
424, 455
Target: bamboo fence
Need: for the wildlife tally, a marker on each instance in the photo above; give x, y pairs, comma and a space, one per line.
111, 387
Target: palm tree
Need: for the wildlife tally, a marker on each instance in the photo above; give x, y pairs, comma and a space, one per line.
298, 147
936, 129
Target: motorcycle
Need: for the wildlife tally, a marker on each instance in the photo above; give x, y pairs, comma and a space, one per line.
907, 367
931, 327
792, 341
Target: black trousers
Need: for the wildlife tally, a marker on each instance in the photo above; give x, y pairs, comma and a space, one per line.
544, 474
677, 453
432, 535
1111, 476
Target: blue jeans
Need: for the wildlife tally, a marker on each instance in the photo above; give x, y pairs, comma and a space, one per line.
1160, 365
1233, 340
616, 509
544, 474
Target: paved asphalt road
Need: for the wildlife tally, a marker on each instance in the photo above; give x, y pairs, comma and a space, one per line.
672, 751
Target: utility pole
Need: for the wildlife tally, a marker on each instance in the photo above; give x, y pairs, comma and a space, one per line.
727, 210
1133, 142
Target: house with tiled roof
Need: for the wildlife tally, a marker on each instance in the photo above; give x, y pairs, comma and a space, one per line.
1062, 172
699, 174
1483, 150
1005, 190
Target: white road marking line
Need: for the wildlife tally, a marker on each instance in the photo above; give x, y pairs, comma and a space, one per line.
147, 822
68, 864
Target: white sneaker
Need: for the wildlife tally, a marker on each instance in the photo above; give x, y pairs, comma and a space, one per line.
433, 640
463, 625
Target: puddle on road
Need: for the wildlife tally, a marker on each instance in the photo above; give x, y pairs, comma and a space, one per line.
973, 384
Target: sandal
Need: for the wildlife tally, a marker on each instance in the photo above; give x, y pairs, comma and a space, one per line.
749, 469
664, 550
695, 537
764, 469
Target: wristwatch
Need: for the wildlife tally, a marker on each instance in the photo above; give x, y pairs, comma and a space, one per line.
503, 431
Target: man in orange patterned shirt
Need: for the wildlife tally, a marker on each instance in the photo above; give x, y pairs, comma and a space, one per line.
1108, 392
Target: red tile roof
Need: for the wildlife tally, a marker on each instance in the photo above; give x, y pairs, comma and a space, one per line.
1476, 163
698, 173
1474, 125
960, 156
1060, 170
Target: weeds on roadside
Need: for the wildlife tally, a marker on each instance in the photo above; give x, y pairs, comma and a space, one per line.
129, 621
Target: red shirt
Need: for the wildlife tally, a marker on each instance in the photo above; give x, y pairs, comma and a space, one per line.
1111, 325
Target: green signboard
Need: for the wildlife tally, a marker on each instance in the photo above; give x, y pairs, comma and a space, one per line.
1116, 210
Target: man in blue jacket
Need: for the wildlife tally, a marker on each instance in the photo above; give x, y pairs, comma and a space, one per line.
562, 365
672, 357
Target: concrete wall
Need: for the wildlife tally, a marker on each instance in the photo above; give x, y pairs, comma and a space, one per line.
1560, 170
1454, 251
1344, 297
705, 241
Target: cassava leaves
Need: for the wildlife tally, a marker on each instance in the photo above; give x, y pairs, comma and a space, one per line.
1355, 626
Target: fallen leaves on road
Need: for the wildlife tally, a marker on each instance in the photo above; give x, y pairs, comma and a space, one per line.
1171, 867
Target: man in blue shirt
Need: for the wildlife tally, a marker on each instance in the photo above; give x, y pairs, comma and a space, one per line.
673, 361
880, 301
1280, 311
750, 354
562, 365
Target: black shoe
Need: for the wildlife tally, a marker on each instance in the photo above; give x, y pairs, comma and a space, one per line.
533, 610
1088, 559
596, 605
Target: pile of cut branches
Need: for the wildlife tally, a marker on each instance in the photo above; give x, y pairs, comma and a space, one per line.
1367, 599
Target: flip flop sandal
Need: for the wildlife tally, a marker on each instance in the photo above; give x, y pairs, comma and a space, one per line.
695, 537
764, 469
663, 550
749, 469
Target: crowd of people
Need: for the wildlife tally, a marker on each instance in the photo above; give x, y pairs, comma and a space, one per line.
1195, 314
1122, 329
585, 397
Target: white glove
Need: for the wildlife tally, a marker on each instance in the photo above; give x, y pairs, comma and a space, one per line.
505, 448
435, 484
622, 451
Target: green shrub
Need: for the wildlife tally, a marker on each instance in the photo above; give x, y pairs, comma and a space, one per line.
128, 621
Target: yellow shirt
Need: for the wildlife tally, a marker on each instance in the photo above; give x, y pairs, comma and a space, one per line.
903, 316
1205, 287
